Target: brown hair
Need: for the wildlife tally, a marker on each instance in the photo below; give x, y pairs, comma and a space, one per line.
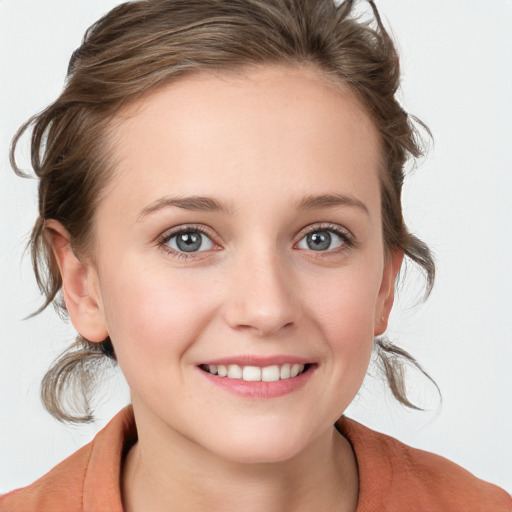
141, 45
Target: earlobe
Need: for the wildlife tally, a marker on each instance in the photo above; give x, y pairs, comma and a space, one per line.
387, 292
82, 299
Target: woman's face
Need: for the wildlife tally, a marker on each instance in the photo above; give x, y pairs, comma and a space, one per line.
241, 233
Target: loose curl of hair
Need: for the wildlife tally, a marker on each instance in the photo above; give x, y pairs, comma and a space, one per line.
142, 45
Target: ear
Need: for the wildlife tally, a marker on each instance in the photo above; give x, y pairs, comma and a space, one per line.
79, 285
386, 295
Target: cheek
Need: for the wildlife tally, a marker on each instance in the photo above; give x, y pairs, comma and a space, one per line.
153, 317
345, 302
343, 309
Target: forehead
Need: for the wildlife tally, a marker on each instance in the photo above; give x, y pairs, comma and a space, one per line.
286, 126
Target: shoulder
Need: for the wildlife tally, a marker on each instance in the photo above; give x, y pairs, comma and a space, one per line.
395, 477
61, 487
88, 480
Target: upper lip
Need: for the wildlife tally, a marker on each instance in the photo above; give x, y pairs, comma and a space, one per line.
262, 362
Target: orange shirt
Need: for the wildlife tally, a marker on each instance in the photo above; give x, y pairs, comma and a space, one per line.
392, 477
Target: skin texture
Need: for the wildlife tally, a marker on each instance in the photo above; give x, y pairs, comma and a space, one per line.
258, 143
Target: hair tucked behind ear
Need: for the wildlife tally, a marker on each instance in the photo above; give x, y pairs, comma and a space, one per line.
66, 389
142, 45
393, 362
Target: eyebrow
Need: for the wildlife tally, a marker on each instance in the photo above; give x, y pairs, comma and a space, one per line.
209, 204
312, 202
194, 203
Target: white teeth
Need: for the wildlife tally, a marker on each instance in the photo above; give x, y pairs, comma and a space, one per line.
252, 373
234, 371
296, 369
270, 373
255, 373
285, 371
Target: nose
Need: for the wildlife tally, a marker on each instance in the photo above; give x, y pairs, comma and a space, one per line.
261, 296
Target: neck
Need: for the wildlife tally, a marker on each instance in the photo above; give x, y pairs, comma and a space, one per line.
167, 473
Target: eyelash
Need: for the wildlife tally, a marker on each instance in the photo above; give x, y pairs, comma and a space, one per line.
348, 239
164, 239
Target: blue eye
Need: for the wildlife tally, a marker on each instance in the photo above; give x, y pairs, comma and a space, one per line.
322, 240
189, 241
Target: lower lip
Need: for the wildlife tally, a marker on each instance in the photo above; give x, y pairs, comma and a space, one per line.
259, 389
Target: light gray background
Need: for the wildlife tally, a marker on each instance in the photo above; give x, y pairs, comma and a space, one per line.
456, 58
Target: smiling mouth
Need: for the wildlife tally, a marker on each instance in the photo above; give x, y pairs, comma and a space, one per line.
249, 373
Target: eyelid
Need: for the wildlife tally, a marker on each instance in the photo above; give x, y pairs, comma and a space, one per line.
162, 239
341, 231
325, 226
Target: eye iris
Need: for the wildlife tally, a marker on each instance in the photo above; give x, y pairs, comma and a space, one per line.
319, 241
189, 242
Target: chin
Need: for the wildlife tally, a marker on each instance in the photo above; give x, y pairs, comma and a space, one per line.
258, 454
262, 446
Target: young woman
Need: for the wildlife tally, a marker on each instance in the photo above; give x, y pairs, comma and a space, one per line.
220, 210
